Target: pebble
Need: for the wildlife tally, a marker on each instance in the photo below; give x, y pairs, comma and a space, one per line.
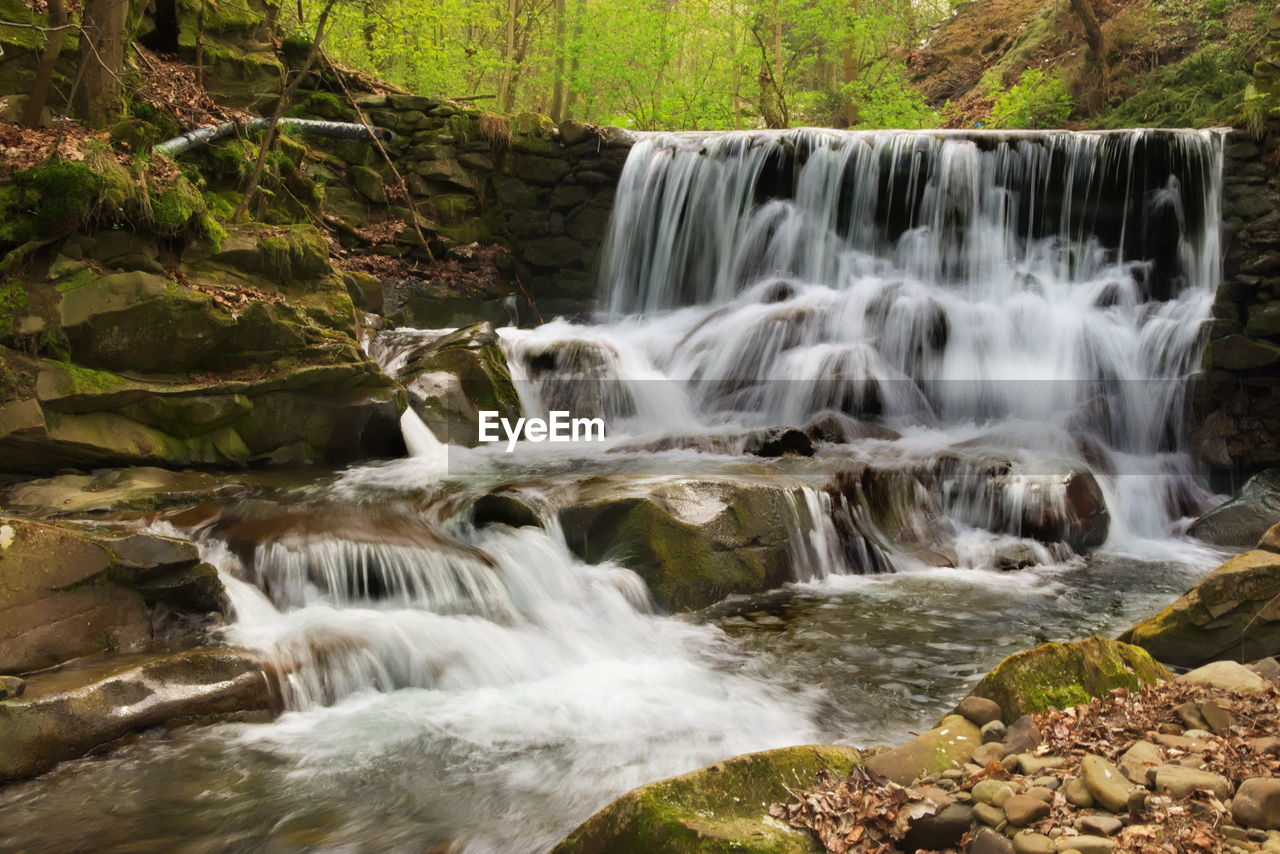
1257, 804
1108, 786
1099, 825
1027, 842
1040, 793
1086, 844
1189, 714
1217, 715
953, 774
1033, 766
989, 753
989, 815
993, 731
987, 841
1023, 810
1138, 758
1139, 800
1225, 676
940, 830
994, 792
1268, 745
1077, 793
1181, 781
978, 710
1169, 729
1050, 783
1023, 735
1267, 668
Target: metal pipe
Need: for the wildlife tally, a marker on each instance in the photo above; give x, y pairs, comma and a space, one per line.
180, 145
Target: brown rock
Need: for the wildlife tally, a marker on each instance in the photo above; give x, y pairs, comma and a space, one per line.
1108, 786
987, 841
1257, 804
978, 710
1217, 716
1181, 781
1138, 758
1099, 825
1023, 810
1225, 676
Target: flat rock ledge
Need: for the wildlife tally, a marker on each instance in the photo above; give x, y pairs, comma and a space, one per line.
65, 713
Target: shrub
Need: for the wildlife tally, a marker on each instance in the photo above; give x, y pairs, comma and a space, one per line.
1038, 100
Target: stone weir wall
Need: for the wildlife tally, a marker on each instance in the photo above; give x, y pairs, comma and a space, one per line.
1236, 405
1236, 408
543, 191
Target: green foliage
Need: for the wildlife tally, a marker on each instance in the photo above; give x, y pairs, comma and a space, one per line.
1039, 100
50, 198
1203, 90
891, 103
13, 297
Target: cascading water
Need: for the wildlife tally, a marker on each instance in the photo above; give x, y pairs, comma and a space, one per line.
975, 328
1037, 295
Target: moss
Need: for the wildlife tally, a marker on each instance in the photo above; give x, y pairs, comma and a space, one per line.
50, 198
294, 251
176, 206
1064, 675
81, 380
721, 808
13, 296
1204, 89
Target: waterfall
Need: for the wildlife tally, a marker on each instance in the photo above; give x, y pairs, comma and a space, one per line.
1040, 295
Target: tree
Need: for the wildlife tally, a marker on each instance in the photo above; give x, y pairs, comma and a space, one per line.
1095, 69
48, 59
99, 91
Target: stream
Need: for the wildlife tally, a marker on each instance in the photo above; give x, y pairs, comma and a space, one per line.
1016, 314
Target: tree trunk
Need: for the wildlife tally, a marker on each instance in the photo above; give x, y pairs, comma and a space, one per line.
505, 94
100, 94
1095, 78
48, 59
557, 84
575, 51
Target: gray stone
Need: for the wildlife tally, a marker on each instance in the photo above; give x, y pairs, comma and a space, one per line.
939, 830
1180, 781
1241, 521
1257, 804
1225, 676
987, 841
993, 731
1086, 844
1138, 758
1099, 825
989, 815
1026, 809
1106, 784
1027, 842
369, 184
994, 792
979, 710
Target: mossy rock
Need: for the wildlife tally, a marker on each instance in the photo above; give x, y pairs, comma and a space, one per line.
1063, 675
693, 542
1233, 612
455, 377
719, 809
948, 745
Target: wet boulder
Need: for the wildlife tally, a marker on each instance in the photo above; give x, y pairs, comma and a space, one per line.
1063, 675
66, 592
723, 807
1241, 521
692, 541
1231, 612
64, 713
451, 379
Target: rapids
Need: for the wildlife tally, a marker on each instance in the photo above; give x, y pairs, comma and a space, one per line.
996, 314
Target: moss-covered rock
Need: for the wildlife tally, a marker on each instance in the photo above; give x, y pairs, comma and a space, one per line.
1063, 675
454, 377
948, 745
1232, 612
692, 541
719, 809
65, 713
